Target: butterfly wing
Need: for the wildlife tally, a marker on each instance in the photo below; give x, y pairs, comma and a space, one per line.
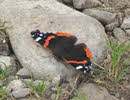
78, 58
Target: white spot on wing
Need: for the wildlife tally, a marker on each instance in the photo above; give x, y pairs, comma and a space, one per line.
86, 67
33, 35
39, 38
84, 71
41, 34
79, 67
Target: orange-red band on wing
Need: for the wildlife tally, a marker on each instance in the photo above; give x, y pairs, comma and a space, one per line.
47, 40
88, 53
77, 62
63, 34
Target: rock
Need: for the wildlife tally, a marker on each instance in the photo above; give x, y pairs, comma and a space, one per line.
23, 92
68, 1
120, 34
27, 80
15, 85
25, 98
4, 47
49, 16
1, 83
53, 96
106, 1
54, 89
126, 23
10, 63
24, 73
96, 92
111, 26
37, 82
82, 4
102, 16
128, 32
127, 12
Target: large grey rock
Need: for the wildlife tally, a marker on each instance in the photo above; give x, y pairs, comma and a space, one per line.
126, 23
103, 16
48, 16
96, 92
82, 4
21, 93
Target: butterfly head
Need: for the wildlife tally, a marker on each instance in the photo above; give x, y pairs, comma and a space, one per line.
40, 37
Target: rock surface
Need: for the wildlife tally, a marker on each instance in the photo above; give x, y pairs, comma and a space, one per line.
68, 1
21, 93
15, 85
119, 34
1, 83
128, 32
82, 4
48, 16
24, 72
126, 23
96, 92
102, 16
111, 26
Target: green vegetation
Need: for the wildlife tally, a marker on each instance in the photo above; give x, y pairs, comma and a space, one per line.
116, 68
81, 96
35, 88
59, 90
2, 27
3, 94
4, 72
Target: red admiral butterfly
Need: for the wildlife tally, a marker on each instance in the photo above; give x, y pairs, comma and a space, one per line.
64, 47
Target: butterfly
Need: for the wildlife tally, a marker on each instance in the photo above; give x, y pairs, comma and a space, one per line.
63, 45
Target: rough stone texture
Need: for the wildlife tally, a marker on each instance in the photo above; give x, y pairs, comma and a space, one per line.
24, 72
61, 1
82, 4
128, 32
21, 93
10, 63
15, 85
25, 98
68, 1
48, 16
103, 16
53, 96
111, 26
119, 34
1, 83
27, 80
96, 92
127, 12
37, 82
126, 23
